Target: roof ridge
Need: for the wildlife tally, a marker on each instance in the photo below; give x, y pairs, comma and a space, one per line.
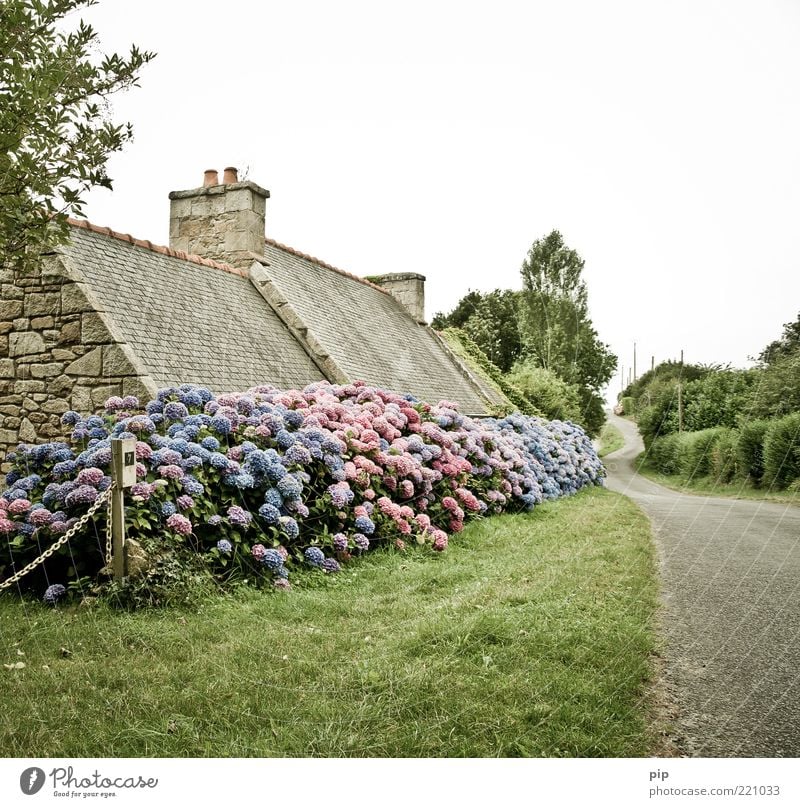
323, 264
174, 253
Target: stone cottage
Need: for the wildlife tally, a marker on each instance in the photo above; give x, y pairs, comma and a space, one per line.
223, 306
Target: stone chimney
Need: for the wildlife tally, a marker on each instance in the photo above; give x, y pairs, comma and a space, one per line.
224, 222
408, 288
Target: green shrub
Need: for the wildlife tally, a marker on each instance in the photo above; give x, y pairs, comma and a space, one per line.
750, 449
548, 393
724, 457
782, 451
657, 411
716, 399
663, 454
694, 452
470, 353
628, 405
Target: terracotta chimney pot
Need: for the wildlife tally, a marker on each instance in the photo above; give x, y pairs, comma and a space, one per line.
230, 176
211, 177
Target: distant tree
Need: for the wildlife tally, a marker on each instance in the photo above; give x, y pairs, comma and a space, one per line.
787, 345
555, 327
491, 321
56, 135
464, 309
776, 391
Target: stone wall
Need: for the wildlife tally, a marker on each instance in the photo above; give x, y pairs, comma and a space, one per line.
58, 350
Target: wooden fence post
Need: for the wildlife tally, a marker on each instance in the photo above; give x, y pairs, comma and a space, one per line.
123, 474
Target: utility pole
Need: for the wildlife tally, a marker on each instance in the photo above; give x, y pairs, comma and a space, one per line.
680, 395
652, 363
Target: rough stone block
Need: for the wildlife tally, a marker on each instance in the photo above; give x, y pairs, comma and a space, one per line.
115, 362
94, 330
178, 208
21, 324
133, 385
239, 240
24, 344
6, 368
8, 436
23, 387
10, 309
42, 303
50, 370
27, 431
89, 364
100, 394
74, 299
70, 334
241, 199
61, 385
208, 205
37, 323
81, 399
55, 407
6, 327
61, 354
9, 291
30, 404
51, 430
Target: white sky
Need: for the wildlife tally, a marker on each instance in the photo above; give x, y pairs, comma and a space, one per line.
661, 138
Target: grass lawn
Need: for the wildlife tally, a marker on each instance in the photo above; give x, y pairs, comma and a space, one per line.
611, 439
530, 636
708, 486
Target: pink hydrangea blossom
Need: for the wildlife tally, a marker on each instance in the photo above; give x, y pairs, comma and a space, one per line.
20, 506
180, 524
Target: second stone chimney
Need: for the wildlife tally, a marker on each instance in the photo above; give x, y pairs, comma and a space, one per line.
222, 221
408, 288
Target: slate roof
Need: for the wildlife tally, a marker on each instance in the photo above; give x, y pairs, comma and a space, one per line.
190, 321
367, 332
193, 320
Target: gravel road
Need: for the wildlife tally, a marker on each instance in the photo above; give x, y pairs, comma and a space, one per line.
730, 587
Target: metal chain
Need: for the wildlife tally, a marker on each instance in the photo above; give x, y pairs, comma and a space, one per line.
109, 550
79, 525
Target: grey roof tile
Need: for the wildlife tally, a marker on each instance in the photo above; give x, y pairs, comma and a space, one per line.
188, 322
368, 333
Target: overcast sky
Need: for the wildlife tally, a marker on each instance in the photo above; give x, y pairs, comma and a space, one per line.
661, 138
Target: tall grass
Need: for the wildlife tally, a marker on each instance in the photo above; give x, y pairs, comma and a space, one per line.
530, 636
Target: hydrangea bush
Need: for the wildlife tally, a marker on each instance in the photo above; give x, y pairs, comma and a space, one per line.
264, 481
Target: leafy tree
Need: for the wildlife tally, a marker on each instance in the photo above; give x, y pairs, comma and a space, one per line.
776, 391
554, 316
56, 135
491, 321
787, 345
